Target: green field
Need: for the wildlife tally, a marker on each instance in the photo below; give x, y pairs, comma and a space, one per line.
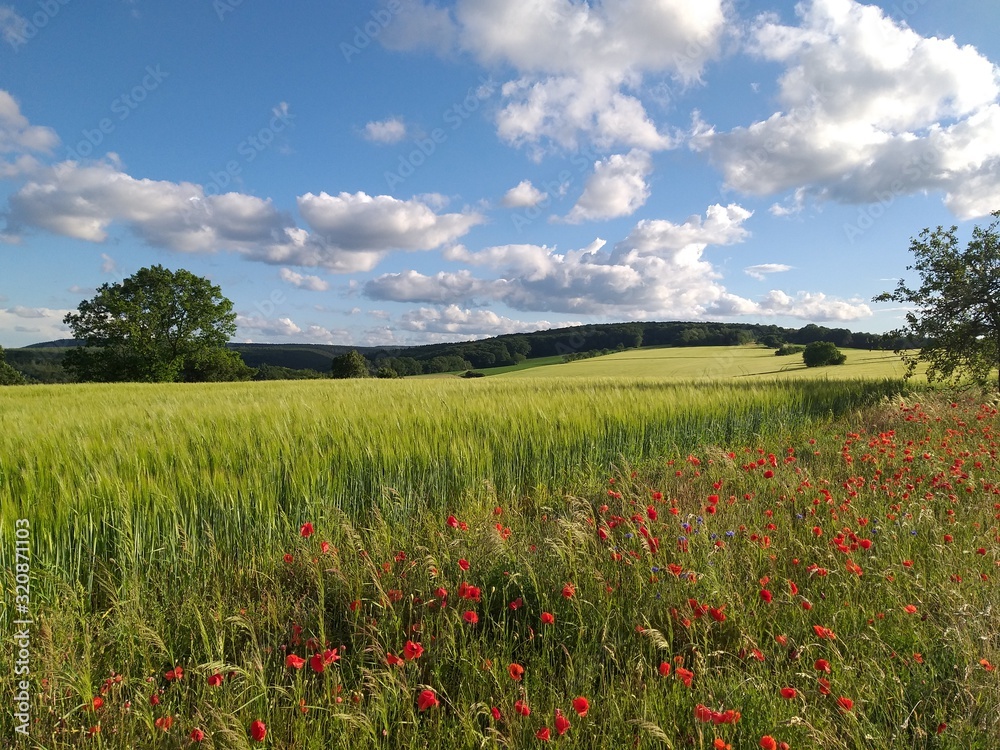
721, 362
669, 550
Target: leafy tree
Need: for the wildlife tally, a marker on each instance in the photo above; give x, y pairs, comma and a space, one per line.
157, 325
956, 308
350, 365
822, 353
8, 375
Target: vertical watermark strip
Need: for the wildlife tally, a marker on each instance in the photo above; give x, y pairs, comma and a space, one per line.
22, 626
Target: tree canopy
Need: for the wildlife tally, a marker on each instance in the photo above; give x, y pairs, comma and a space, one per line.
8, 375
349, 365
157, 325
956, 308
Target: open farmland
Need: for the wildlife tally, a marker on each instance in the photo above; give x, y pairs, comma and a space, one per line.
458, 563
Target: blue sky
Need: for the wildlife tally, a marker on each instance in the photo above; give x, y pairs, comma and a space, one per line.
411, 171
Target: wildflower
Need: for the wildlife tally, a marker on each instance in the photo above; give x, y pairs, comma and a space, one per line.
463, 564
521, 708
176, 673
306, 530
543, 734
294, 662
97, 702
824, 686
845, 704
910, 609
822, 665
497, 716
767, 742
288, 558
412, 650
664, 669
470, 617
453, 522
215, 680
581, 705
986, 665
568, 590
562, 723
164, 723
766, 595
516, 671
517, 604
788, 693
685, 676
717, 614
197, 735
427, 699
548, 618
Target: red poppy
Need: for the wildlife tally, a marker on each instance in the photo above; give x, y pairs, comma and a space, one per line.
215, 680
767, 742
562, 723
294, 662
288, 558
97, 702
453, 522
824, 686
176, 673
522, 708
517, 604
427, 699
664, 669
306, 530
412, 650
197, 735
703, 713
516, 671
788, 693
581, 705
822, 665
164, 723
463, 564
910, 609
717, 614
845, 703
548, 618
470, 617
568, 590
684, 675
258, 730
497, 716
766, 595
543, 734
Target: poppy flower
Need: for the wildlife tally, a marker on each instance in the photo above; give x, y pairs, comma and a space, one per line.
581, 705
453, 522
767, 742
412, 651
543, 734
427, 699
294, 662
986, 665
562, 723
497, 716
664, 669
845, 703
720, 744
463, 564
470, 617
97, 702
717, 614
516, 671
392, 660
522, 708
822, 665
317, 663
517, 604
164, 723
684, 675
766, 595
548, 618
568, 590
703, 713
788, 693
910, 609
176, 673
824, 686
288, 558
215, 680
197, 735
306, 530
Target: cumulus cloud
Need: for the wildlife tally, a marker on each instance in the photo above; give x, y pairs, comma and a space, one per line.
464, 323
311, 283
616, 188
760, 271
350, 232
19, 139
21, 325
523, 195
388, 131
658, 270
870, 110
579, 66
266, 326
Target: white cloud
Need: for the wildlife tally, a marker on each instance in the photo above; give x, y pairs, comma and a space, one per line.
464, 323
21, 325
283, 327
352, 232
760, 271
616, 188
523, 195
311, 283
388, 131
870, 111
814, 307
363, 223
412, 286
419, 26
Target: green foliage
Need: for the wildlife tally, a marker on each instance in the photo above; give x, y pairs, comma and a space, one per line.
155, 326
822, 353
8, 375
274, 372
387, 373
350, 365
956, 308
785, 350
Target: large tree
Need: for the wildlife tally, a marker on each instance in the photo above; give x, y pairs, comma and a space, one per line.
157, 325
955, 311
8, 375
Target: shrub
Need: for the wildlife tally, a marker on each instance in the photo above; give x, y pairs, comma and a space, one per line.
822, 353
786, 349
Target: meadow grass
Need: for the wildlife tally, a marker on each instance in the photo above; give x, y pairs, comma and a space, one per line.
169, 529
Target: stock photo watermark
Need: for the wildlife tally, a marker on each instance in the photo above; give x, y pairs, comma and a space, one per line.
454, 117
918, 167
22, 626
368, 32
122, 107
250, 148
18, 30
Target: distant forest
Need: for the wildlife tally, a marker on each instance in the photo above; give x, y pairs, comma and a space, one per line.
42, 362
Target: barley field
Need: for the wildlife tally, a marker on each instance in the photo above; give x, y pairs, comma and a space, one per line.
504, 562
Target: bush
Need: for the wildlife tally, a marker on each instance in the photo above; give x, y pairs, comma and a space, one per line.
822, 353
474, 374
786, 349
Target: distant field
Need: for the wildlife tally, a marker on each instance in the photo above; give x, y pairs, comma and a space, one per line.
719, 362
